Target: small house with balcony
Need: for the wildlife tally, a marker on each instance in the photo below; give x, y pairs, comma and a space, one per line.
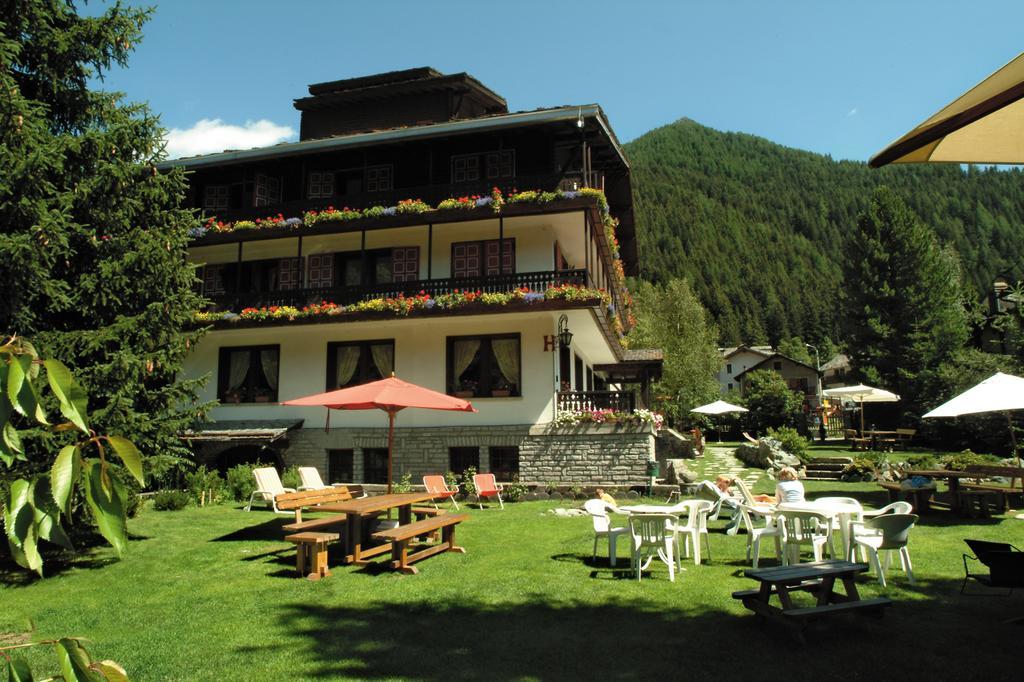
418, 227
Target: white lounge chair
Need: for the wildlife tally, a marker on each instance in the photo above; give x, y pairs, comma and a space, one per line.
311, 480
652, 535
268, 486
598, 510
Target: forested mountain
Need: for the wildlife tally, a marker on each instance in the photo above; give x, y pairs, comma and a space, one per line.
761, 230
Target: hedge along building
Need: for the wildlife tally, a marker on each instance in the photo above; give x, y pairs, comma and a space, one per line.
418, 227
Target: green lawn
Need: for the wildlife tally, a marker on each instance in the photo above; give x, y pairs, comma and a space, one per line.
210, 594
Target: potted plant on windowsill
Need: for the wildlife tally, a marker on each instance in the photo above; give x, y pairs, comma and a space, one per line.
233, 397
262, 396
501, 390
467, 389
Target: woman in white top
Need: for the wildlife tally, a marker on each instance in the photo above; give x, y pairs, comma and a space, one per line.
789, 488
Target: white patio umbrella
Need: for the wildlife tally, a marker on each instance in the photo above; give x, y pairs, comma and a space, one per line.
862, 394
999, 393
718, 407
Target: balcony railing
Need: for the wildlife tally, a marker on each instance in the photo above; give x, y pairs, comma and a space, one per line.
586, 401
432, 194
534, 281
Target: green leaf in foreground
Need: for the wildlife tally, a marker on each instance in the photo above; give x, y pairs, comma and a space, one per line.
65, 472
108, 510
75, 662
130, 455
18, 670
72, 397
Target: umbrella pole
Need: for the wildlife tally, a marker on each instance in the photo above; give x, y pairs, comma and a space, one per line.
862, 417
391, 444
1013, 437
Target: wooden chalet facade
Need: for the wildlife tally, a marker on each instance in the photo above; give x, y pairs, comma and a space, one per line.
418, 227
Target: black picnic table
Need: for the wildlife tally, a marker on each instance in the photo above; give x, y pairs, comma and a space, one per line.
818, 578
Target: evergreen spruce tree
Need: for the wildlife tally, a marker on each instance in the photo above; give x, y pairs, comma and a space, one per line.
671, 318
904, 314
93, 238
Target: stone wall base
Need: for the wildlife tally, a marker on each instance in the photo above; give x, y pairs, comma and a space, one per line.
593, 454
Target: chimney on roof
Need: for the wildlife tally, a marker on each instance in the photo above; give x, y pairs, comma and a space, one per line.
395, 99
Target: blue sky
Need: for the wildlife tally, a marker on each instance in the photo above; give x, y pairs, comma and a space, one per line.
839, 78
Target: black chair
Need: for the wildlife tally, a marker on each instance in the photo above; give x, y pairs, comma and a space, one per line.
1004, 561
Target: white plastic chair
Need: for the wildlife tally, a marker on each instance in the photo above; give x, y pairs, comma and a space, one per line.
756, 533
748, 497
268, 486
598, 510
802, 528
695, 528
652, 535
891, 508
887, 533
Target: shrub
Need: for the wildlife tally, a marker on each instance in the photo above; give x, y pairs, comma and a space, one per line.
290, 478
922, 461
205, 483
468, 489
451, 479
961, 460
240, 482
170, 500
514, 491
864, 468
791, 440
404, 485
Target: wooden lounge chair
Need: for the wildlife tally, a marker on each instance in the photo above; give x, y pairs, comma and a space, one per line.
438, 487
487, 487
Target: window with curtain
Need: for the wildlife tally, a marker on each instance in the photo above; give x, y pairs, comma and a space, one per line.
350, 363
504, 462
248, 374
375, 465
484, 366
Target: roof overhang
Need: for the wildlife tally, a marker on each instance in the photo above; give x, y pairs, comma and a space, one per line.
631, 371
449, 128
243, 431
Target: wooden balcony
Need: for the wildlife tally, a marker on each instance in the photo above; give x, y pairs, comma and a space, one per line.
534, 281
432, 194
587, 401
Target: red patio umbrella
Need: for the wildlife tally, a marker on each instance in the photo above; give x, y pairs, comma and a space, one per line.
391, 395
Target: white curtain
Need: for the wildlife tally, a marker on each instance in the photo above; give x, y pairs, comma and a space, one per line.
464, 351
506, 352
383, 358
348, 360
268, 360
238, 369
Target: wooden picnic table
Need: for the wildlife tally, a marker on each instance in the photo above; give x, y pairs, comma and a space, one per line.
952, 479
369, 507
818, 578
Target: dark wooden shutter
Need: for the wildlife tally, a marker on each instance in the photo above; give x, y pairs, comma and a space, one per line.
321, 271
405, 264
213, 280
289, 273
494, 256
466, 259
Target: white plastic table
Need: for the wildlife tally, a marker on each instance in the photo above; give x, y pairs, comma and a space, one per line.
650, 509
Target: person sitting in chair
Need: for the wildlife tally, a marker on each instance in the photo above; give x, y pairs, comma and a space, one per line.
788, 489
720, 492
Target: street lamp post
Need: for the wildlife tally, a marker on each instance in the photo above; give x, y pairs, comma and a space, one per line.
822, 433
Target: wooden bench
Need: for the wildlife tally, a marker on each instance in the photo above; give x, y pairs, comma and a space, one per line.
870, 605
311, 553
920, 498
976, 504
1001, 490
399, 538
312, 498
903, 437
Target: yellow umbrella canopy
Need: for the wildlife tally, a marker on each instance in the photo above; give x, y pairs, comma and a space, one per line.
983, 125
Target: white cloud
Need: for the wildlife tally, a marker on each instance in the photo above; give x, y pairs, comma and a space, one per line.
852, 112
214, 135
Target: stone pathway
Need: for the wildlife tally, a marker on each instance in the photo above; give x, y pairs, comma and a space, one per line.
720, 460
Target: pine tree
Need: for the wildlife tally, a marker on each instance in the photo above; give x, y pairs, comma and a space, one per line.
905, 313
671, 318
93, 236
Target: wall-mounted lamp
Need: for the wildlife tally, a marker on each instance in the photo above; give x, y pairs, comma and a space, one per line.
564, 335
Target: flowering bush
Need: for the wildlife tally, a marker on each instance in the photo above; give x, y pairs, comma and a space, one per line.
274, 312
465, 203
412, 206
607, 416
